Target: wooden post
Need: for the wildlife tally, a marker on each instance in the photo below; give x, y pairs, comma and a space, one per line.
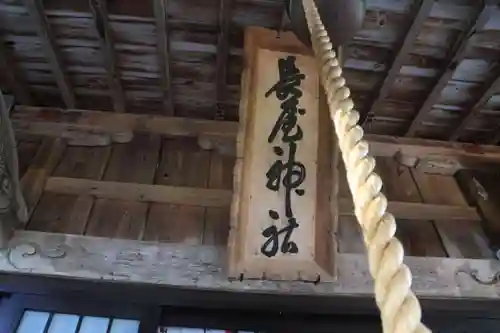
281, 222
13, 209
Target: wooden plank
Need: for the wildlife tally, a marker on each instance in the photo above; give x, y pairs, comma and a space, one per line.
134, 162
188, 266
67, 214
106, 41
36, 11
424, 8
222, 56
216, 228
482, 189
455, 56
117, 219
489, 89
11, 73
64, 213
44, 163
255, 246
132, 165
459, 242
182, 164
83, 162
419, 237
164, 56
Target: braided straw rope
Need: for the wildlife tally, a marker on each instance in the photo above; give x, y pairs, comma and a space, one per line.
399, 308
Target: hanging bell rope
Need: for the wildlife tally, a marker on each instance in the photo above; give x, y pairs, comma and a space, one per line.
399, 308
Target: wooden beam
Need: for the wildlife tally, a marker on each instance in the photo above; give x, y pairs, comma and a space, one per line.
222, 56
489, 89
140, 192
187, 266
57, 122
163, 52
9, 70
35, 9
456, 55
419, 211
424, 8
106, 41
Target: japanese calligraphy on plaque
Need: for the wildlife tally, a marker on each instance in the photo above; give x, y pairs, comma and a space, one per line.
278, 229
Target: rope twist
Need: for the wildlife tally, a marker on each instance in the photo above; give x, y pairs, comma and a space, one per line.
399, 308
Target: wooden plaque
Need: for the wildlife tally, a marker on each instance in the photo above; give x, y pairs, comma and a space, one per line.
281, 224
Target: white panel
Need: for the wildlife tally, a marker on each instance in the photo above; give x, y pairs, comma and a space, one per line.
124, 326
192, 330
174, 330
33, 322
63, 323
94, 325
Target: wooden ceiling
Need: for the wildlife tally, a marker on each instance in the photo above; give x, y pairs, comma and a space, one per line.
426, 68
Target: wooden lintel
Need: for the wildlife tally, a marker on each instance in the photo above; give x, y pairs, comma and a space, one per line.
489, 89
186, 266
58, 123
55, 122
36, 11
15, 82
163, 52
456, 55
106, 41
140, 192
222, 56
406, 46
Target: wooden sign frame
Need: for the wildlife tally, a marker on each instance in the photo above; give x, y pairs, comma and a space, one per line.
317, 236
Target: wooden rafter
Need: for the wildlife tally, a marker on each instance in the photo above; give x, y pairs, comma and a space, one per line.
489, 89
424, 9
222, 55
456, 55
35, 9
163, 52
9, 71
106, 40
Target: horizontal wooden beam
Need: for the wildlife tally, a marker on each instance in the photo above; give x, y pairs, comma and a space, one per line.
57, 123
222, 198
187, 266
420, 211
140, 192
